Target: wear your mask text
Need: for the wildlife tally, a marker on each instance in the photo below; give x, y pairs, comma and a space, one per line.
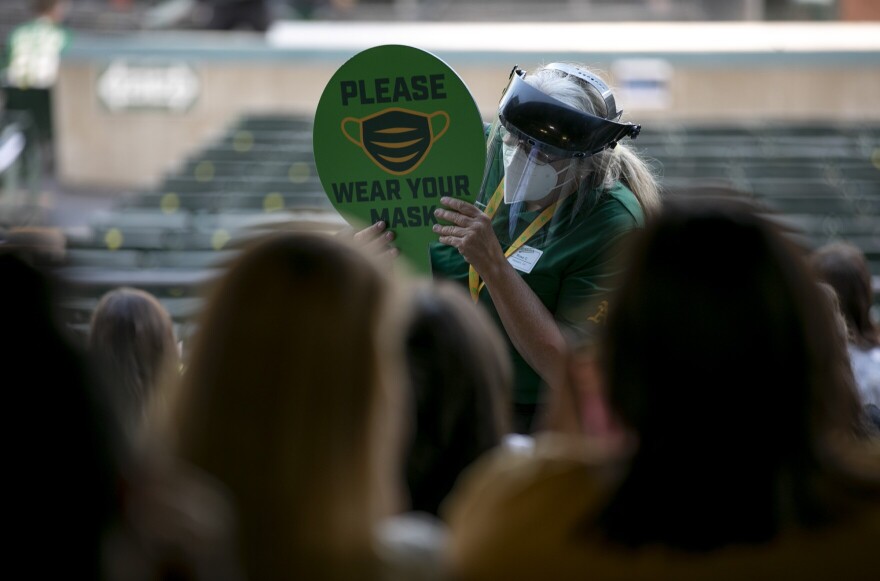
391, 190
384, 190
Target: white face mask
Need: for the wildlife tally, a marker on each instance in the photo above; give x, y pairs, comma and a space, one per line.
526, 180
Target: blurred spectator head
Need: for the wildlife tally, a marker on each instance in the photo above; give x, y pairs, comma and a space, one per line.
722, 357
289, 399
132, 343
461, 378
54, 9
66, 450
39, 245
843, 266
863, 427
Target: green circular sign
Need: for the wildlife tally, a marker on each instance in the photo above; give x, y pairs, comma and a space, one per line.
396, 129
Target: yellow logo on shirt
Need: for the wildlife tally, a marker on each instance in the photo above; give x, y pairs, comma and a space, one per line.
600, 314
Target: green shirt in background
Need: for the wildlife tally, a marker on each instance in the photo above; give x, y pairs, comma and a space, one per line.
33, 53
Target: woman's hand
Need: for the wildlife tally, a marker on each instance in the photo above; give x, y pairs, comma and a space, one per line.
471, 233
529, 325
376, 240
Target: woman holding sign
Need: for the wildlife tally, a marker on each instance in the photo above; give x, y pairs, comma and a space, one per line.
539, 248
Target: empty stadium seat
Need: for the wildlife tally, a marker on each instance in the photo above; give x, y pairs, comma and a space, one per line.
822, 181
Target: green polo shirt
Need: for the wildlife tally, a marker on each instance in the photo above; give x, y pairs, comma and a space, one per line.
572, 276
33, 50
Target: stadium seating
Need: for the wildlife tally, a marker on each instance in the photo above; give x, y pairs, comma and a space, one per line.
174, 239
821, 180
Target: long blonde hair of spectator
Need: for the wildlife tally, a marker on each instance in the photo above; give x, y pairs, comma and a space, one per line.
289, 400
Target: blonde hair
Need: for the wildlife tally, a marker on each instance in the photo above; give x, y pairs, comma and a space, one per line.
620, 164
287, 401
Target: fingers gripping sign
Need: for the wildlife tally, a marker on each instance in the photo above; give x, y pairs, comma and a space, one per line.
377, 239
470, 232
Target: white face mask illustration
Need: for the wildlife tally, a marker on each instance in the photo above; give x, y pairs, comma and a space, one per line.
526, 179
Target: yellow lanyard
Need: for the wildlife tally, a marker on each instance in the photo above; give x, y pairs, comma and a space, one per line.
474, 283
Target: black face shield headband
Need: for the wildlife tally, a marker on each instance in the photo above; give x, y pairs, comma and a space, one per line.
559, 129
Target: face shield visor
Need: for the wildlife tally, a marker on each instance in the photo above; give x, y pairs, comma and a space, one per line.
533, 173
537, 155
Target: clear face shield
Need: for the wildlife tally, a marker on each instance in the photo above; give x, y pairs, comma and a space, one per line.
538, 152
532, 174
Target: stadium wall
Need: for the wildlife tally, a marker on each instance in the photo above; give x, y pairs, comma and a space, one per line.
110, 135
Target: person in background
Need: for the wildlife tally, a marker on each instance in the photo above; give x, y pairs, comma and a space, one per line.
251, 15
843, 266
33, 48
863, 426
88, 503
132, 344
292, 399
722, 364
33, 53
42, 246
461, 378
65, 451
540, 247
